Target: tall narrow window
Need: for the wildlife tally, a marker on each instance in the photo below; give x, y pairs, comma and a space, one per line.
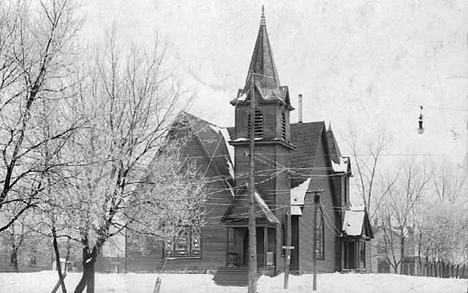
195, 246
320, 240
283, 126
258, 124
182, 243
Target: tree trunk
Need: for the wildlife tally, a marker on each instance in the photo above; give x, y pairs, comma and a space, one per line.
14, 260
402, 252
57, 260
87, 279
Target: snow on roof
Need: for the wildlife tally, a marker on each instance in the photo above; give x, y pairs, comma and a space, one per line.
353, 223
242, 97
231, 190
227, 138
230, 148
296, 211
297, 197
342, 166
265, 209
246, 139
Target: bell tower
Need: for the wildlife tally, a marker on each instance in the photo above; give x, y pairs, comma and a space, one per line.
272, 100
272, 122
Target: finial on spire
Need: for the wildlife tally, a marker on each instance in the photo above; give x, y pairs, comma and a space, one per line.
262, 18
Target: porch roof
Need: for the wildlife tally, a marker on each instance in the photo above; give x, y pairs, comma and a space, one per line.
356, 223
239, 208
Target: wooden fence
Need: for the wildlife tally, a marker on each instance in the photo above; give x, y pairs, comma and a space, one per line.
443, 270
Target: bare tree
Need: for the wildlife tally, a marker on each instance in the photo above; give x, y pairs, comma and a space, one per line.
125, 175
17, 237
367, 155
36, 57
400, 208
449, 182
441, 221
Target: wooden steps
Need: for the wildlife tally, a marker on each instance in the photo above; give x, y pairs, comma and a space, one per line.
232, 276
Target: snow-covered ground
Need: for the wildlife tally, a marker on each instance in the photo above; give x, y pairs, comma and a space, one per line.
144, 283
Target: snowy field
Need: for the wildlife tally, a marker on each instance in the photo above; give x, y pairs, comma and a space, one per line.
327, 283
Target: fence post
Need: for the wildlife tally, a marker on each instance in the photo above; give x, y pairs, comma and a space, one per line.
157, 285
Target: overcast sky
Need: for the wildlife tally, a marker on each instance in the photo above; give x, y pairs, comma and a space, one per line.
357, 63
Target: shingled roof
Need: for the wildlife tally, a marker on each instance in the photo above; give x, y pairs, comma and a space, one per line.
306, 137
211, 139
333, 148
262, 75
262, 61
239, 209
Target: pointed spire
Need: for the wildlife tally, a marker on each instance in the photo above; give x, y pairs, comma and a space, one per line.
262, 17
262, 72
262, 63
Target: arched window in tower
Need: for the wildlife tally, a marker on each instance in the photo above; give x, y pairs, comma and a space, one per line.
258, 124
283, 126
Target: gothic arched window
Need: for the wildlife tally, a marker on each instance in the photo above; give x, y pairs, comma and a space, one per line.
182, 243
187, 243
320, 241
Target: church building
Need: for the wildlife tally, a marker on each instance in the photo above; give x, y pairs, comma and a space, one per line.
293, 163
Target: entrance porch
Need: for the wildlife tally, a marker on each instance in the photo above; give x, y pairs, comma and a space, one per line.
237, 247
357, 232
354, 255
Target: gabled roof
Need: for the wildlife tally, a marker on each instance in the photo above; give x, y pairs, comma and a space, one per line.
357, 224
306, 137
212, 141
239, 208
333, 148
340, 164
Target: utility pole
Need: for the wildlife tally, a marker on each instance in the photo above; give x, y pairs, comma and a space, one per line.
314, 242
252, 233
288, 247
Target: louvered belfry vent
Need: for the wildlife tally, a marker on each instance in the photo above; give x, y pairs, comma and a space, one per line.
258, 124
283, 126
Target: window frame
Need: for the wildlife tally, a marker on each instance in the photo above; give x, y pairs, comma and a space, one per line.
320, 239
192, 242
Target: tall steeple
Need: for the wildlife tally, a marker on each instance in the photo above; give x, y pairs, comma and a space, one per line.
262, 70
262, 63
272, 102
